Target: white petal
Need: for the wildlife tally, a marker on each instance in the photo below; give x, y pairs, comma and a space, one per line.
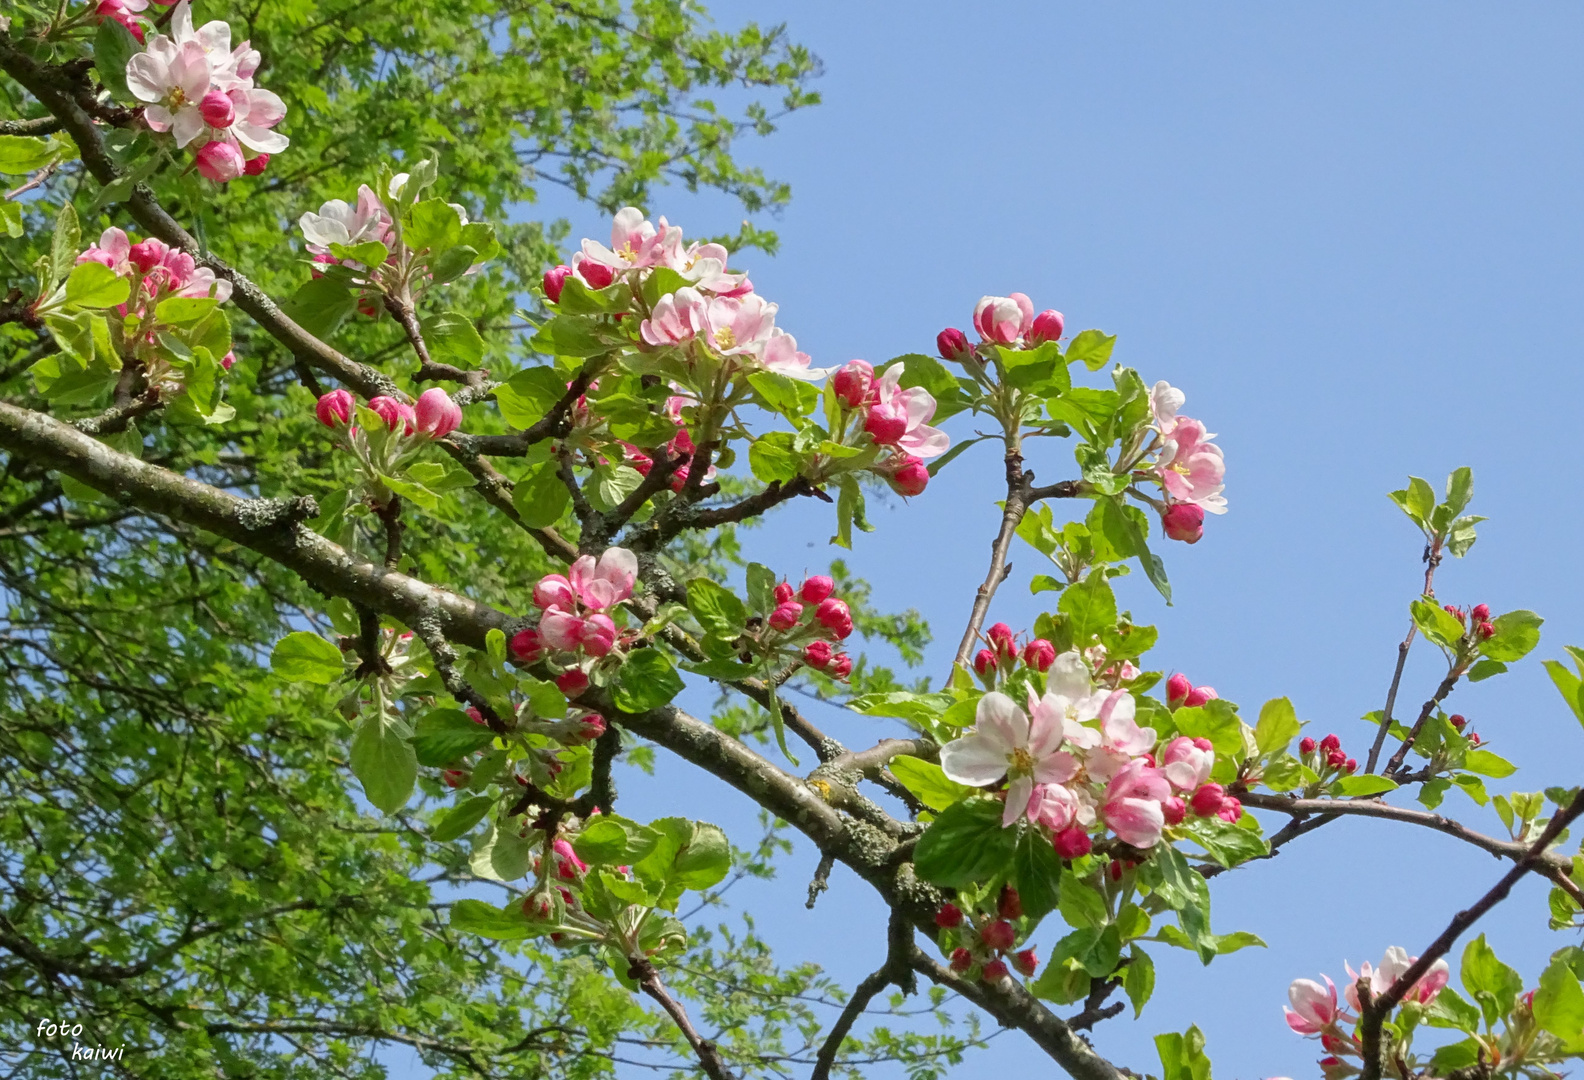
1018, 794
261, 139
973, 759
188, 124
1069, 677
999, 718
147, 77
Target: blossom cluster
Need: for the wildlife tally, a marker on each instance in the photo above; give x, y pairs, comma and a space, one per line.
814, 622
1187, 465
985, 943
995, 663
200, 90
896, 418
575, 630
1315, 1010
1002, 320
387, 435
156, 272
1076, 762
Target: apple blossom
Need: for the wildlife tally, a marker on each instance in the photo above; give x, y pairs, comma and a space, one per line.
1039, 654
394, 413
437, 415
907, 475
786, 615
334, 409
1392, 967
984, 663
338, 223
961, 960
1186, 763
635, 244
554, 590
172, 79
256, 165
1183, 521
1480, 612
676, 318
220, 161
1048, 326
1177, 689
555, 281
953, 344
1201, 694
900, 417
607, 582
994, 971
1002, 640
1008, 904
817, 654
1314, 1007
948, 916
1072, 842
572, 682
1025, 962
834, 616
1132, 804
1190, 466
1207, 799
217, 109
1054, 806
1005, 742
1003, 319
842, 667
1232, 809
854, 383
816, 588
560, 629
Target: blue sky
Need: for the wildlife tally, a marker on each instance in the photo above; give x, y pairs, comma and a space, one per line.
1351, 236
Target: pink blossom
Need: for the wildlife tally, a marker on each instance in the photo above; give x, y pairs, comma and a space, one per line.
817, 654
256, 165
676, 318
1072, 842
786, 615
1132, 804
608, 581
1047, 326
436, 414
907, 475
1191, 468
854, 383
816, 588
216, 109
527, 646
1314, 1007
1183, 521
740, 326
1186, 764
560, 629
172, 79
121, 12
1392, 967
1039, 654
113, 250
394, 413
335, 408
1165, 400
554, 590
1004, 319
220, 161
597, 634
1053, 806
1201, 694
1207, 799
780, 355
903, 415
1121, 739
953, 344
338, 223
635, 244
571, 683
1004, 742
257, 112
1177, 689
1231, 810
555, 281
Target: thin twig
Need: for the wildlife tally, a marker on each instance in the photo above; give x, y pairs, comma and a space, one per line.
648, 979
896, 969
1011, 514
1432, 559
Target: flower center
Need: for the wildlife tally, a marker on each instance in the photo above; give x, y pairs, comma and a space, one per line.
178, 98
628, 252
725, 338
1021, 762
1179, 467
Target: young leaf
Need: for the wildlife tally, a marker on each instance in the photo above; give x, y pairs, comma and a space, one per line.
384, 764
306, 657
441, 736
928, 783
646, 681
965, 844
461, 818
1278, 724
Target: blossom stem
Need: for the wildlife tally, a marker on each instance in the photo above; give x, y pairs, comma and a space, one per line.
1432, 559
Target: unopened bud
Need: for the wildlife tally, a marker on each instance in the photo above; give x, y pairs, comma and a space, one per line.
953, 344
555, 281
1039, 654
1047, 327
817, 654
572, 682
909, 477
1009, 905
1330, 742
595, 275
1306, 745
1487, 630
1455, 612
784, 592
961, 960
786, 615
816, 589
527, 646
1336, 759
1177, 689
853, 383
984, 662
1174, 810
1458, 720
999, 935
1201, 694
1183, 521
454, 778
1352, 765
842, 667
948, 916
1231, 810
1002, 640
994, 971
1207, 800
834, 616
335, 408
591, 726
1480, 612
217, 110
1025, 962
1072, 842
256, 165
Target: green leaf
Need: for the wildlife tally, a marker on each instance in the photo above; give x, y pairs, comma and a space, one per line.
460, 819
1182, 1056
1090, 607
1277, 727
965, 844
114, 46
21, 154
647, 680
1488, 764
1036, 873
1491, 983
64, 245
184, 310
1517, 633
1364, 785
412, 491
306, 657
11, 219
1559, 1005
609, 484
1421, 500
526, 396
687, 855
612, 840
320, 305
452, 338
372, 253
1228, 844
95, 285
1569, 686
1092, 348
716, 608
1081, 904
485, 920
771, 458
919, 710
951, 455
540, 498
761, 588
1138, 979
1459, 488
928, 783
1435, 623
1485, 669
384, 764
1449, 1010
432, 224
442, 736
452, 263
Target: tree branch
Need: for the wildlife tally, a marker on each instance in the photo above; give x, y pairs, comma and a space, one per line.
1011, 514
648, 980
896, 969
1432, 559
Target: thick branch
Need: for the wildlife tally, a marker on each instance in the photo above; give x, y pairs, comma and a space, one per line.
1377, 1010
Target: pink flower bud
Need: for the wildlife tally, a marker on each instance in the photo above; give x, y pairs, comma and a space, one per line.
1352, 765
1330, 742
1183, 521
1004, 319
1458, 720
334, 409
1177, 689
1203, 743
149, 254
1306, 745
572, 682
554, 590
909, 477
999, 935
474, 715
886, 425
454, 778
784, 592
961, 960
854, 383
1487, 630
1047, 326
1025, 962
256, 165
1207, 800
817, 654
228, 361
1201, 694
595, 275
841, 668
1039, 654
994, 971
527, 646
598, 634
1231, 809
1114, 870
1336, 759
1072, 842
1174, 810
786, 615
438, 416
1009, 905
591, 726
984, 662
220, 162
1474, 739
834, 616
555, 281
953, 344
396, 415
538, 906
1454, 611
217, 110
1002, 640
1481, 612
948, 916
816, 589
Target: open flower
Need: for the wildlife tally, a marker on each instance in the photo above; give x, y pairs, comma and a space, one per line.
1314, 1007
1392, 967
636, 244
1005, 743
172, 79
1190, 466
1132, 806
900, 417
338, 223
605, 583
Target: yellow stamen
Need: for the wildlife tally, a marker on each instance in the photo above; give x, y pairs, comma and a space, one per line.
725, 339
1021, 762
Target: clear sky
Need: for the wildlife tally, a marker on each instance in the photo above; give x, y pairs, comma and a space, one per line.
1351, 234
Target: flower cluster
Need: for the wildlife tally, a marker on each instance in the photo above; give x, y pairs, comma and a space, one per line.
576, 631
1187, 465
200, 91
387, 435
1476, 621
1077, 762
1181, 691
1326, 757
1315, 1011
1002, 320
985, 943
814, 621
999, 660
895, 418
